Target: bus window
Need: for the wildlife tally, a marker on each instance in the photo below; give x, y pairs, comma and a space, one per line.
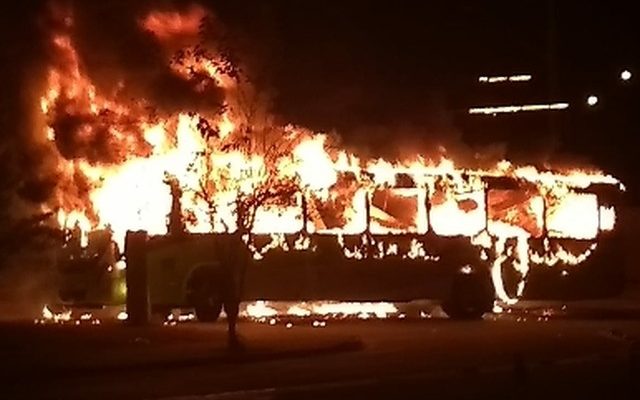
573, 215
518, 208
279, 216
341, 210
398, 210
453, 213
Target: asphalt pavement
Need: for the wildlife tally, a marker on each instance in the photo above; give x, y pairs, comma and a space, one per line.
400, 358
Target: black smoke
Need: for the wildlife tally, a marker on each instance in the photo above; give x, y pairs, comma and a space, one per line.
116, 52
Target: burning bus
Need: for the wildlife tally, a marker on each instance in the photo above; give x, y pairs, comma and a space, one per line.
465, 237
317, 221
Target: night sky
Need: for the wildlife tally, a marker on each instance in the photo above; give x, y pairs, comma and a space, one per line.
396, 77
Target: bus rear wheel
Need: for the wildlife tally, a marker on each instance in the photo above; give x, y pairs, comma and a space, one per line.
470, 295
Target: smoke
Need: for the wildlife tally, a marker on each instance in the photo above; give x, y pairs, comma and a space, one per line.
84, 135
122, 56
21, 193
404, 135
122, 51
437, 131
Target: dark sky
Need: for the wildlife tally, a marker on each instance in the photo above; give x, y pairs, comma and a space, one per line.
380, 72
400, 75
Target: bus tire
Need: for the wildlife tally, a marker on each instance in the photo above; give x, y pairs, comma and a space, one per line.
470, 295
204, 294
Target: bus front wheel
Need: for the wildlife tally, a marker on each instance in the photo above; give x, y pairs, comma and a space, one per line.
204, 294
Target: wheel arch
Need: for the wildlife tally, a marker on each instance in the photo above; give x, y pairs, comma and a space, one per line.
197, 273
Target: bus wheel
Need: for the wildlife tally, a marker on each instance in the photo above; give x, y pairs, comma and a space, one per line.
470, 295
204, 295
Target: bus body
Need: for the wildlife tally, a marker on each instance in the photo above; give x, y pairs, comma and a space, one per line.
408, 254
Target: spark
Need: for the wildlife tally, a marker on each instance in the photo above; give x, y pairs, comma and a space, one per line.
466, 270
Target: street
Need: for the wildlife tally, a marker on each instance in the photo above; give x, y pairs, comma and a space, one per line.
399, 358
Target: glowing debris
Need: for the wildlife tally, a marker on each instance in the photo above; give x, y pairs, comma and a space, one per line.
466, 270
65, 317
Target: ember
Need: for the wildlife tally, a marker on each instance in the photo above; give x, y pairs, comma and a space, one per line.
65, 317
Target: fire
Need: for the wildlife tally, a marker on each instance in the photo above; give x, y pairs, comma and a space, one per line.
299, 310
261, 310
316, 169
168, 25
214, 166
48, 315
65, 317
455, 213
574, 215
360, 310
174, 319
607, 218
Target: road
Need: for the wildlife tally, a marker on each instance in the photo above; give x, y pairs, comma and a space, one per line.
411, 358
